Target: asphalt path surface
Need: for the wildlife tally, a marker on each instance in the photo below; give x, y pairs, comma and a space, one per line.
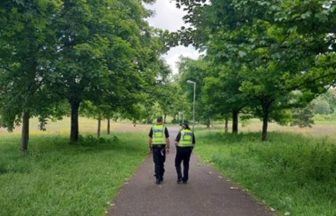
207, 192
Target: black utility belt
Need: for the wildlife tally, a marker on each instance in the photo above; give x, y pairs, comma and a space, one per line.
184, 146
158, 146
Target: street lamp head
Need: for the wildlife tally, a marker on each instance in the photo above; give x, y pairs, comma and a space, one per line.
190, 81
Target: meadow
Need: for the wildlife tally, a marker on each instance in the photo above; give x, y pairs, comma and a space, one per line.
56, 178
294, 172
324, 127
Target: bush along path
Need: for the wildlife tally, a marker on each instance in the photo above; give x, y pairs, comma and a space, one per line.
207, 193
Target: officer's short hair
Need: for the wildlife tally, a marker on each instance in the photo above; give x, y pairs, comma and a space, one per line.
159, 119
185, 124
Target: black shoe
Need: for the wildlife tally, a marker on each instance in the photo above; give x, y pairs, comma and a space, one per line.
185, 181
179, 181
158, 181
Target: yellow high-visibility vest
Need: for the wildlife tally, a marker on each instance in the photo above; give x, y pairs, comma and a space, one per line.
186, 138
159, 137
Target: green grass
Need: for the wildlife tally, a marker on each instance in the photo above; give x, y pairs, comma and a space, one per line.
325, 119
291, 173
56, 178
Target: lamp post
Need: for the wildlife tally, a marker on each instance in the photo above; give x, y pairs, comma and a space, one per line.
194, 83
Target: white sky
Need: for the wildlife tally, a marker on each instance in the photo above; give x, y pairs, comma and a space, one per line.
168, 17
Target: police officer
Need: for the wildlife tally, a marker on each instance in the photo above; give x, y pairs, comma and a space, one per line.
185, 142
158, 145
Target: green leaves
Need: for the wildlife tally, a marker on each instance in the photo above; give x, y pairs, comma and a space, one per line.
266, 49
101, 52
24, 58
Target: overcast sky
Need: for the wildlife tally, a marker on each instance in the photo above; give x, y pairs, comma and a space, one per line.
168, 17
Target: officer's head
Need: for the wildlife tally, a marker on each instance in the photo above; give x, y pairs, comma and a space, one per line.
159, 120
185, 125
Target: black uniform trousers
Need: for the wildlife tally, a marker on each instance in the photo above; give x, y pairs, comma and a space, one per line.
183, 155
159, 157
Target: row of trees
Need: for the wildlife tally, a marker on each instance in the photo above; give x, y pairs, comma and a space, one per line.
101, 58
58, 57
262, 58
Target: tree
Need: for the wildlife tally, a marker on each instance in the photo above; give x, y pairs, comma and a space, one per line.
325, 103
195, 70
303, 117
321, 106
97, 112
162, 92
223, 92
179, 103
99, 53
277, 52
25, 48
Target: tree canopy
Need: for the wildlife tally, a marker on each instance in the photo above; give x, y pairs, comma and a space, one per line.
101, 58
264, 50
99, 52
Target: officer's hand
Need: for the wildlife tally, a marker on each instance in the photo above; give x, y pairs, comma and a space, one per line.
167, 150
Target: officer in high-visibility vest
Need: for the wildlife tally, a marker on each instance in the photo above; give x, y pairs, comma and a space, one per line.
185, 142
158, 145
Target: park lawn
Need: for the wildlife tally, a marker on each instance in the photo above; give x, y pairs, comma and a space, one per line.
290, 172
56, 178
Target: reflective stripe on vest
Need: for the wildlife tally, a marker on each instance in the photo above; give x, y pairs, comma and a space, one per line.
158, 135
186, 138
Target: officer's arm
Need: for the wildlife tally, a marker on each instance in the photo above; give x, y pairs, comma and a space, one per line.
193, 140
177, 140
167, 138
167, 144
150, 141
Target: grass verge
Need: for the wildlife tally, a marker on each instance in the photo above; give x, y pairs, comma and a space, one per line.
56, 178
290, 172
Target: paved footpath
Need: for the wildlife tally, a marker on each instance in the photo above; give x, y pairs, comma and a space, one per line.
206, 194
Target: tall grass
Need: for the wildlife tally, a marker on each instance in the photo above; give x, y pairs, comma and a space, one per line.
325, 119
290, 172
56, 178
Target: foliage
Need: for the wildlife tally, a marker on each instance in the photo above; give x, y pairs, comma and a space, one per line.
25, 52
100, 52
321, 106
325, 103
222, 90
303, 117
195, 70
271, 55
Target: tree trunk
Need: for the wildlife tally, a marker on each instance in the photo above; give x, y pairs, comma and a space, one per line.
266, 110
74, 134
164, 118
109, 126
264, 128
226, 124
41, 126
235, 122
208, 123
99, 127
25, 132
